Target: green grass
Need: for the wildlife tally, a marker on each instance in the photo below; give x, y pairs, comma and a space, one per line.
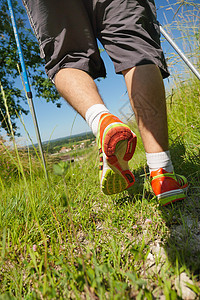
66, 240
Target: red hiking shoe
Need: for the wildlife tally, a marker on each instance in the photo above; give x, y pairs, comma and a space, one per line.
168, 187
116, 144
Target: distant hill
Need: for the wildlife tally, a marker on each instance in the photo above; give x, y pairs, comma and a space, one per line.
53, 145
79, 137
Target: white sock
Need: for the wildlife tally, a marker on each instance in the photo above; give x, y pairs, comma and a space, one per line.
159, 160
93, 115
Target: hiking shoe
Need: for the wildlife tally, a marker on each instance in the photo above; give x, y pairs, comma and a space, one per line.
116, 144
168, 187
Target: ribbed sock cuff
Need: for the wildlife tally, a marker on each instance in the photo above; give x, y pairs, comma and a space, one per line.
159, 160
93, 115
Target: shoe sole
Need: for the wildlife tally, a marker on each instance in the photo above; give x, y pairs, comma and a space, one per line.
119, 147
172, 196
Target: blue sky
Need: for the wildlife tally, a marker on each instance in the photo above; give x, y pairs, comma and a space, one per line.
60, 122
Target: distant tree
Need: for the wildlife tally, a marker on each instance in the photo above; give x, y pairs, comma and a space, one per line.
8, 65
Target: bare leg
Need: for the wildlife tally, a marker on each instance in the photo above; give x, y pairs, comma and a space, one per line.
147, 96
78, 88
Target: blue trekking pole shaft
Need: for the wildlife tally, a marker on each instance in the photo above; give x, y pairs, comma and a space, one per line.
26, 82
21, 57
180, 53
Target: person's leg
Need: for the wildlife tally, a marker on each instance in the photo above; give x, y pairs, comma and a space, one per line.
147, 97
115, 140
78, 88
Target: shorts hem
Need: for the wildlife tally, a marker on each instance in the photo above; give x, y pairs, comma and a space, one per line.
127, 65
83, 67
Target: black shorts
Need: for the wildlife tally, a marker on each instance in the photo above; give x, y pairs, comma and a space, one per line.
67, 31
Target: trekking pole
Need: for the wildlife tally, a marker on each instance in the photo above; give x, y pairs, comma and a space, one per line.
180, 53
26, 83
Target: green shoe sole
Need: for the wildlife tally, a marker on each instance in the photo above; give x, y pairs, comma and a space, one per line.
113, 183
